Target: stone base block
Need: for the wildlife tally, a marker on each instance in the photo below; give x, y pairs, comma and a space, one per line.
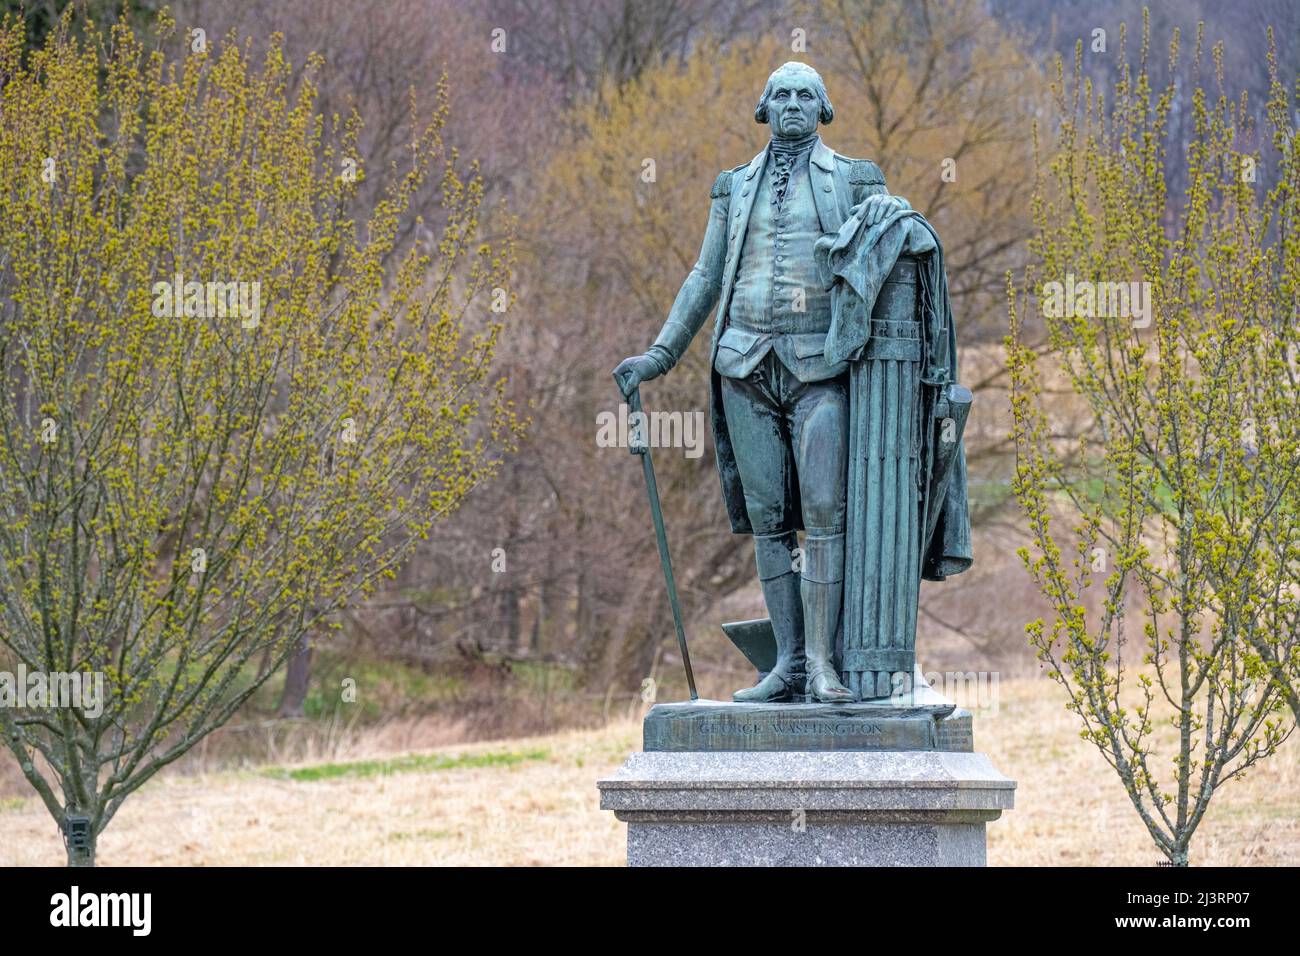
891, 808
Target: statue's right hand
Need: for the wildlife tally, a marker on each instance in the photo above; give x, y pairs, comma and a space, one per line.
631, 372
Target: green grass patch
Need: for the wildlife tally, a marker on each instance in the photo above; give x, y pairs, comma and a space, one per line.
539, 677
12, 803
378, 685
989, 495
420, 835
411, 763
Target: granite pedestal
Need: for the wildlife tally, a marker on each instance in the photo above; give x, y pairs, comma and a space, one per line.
867, 784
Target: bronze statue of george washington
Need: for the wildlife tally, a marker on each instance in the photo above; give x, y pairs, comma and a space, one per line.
835, 404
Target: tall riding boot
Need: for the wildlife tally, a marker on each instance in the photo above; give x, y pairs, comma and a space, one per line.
781, 593
823, 586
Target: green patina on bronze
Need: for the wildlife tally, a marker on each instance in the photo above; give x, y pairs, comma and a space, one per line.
835, 405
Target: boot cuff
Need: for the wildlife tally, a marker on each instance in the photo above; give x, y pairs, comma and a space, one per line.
772, 554
823, 558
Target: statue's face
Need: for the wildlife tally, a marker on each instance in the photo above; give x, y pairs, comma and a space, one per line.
793, 107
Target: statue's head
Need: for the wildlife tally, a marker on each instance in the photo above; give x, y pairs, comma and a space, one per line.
794, 101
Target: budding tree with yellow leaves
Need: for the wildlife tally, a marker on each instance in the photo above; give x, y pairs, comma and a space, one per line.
229, 407
1176, 585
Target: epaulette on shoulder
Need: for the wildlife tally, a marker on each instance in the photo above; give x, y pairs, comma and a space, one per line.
864, 171
722, 185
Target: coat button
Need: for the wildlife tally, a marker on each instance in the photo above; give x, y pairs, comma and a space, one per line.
826, 188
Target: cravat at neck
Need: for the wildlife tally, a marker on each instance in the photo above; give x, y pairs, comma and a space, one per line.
793, 147
785, 155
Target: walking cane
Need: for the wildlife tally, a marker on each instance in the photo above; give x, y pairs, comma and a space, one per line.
661, 536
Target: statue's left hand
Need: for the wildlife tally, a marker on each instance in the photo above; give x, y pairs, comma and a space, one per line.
880, 207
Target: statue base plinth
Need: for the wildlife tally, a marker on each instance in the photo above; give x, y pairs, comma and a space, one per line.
845, 808
722, 783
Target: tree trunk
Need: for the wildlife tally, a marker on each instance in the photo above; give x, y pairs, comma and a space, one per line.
545, 596
510, 614
296, 680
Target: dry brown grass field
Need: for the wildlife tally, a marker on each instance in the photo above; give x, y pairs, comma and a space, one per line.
537, 806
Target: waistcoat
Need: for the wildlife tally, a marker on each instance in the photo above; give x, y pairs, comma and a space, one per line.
777, 289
